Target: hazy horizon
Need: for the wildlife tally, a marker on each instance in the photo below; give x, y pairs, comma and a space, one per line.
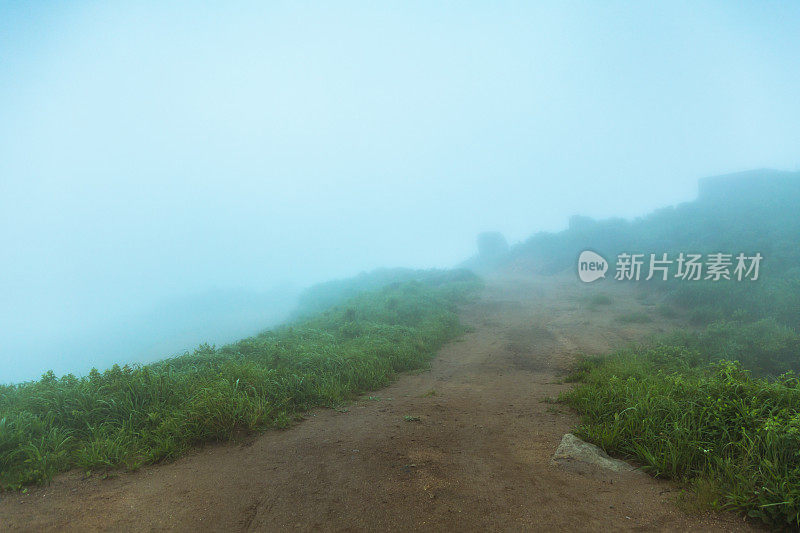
150, 152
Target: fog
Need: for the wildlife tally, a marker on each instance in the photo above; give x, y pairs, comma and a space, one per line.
174, 173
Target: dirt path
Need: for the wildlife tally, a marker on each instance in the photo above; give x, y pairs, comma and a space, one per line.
477, 458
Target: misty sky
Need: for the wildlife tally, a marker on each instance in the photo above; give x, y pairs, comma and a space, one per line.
155, 149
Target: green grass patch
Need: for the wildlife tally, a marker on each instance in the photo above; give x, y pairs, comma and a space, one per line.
712, 426
126, 417
765, 347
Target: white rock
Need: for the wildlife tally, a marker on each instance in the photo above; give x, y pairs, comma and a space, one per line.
579, 456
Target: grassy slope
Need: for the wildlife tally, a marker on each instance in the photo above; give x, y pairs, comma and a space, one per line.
710, 424
711, 407
128, 417
718, 408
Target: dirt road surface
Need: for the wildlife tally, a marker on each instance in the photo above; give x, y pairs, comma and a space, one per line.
465, 446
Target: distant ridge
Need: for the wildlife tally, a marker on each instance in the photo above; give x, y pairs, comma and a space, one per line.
747, 211
750, 186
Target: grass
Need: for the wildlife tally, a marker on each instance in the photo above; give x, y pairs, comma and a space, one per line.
734, 437
126, 417
715, 407
765, 347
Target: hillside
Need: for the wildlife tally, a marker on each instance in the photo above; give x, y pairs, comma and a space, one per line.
749, 211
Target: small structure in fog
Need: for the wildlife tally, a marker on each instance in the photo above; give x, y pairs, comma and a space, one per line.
491, 245
492, 251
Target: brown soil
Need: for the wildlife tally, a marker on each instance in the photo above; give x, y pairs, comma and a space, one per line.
474, 455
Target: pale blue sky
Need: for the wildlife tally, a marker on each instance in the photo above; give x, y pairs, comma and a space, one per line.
152, 149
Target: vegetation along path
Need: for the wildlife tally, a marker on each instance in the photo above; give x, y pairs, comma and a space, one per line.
464, 446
